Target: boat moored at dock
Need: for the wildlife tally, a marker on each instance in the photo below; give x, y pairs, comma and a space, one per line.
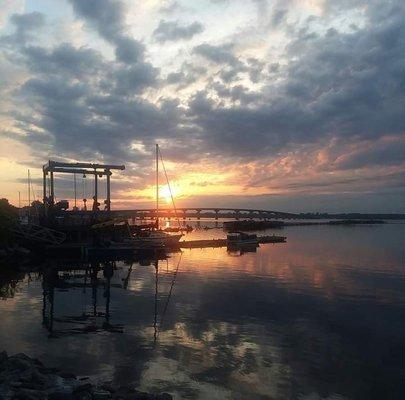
239, 238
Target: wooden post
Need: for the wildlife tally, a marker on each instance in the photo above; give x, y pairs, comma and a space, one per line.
52, 200
44, 192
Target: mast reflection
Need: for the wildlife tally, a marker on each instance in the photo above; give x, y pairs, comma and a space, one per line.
94, 281
158, 324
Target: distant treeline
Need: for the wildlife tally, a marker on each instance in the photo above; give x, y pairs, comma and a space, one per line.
350, 216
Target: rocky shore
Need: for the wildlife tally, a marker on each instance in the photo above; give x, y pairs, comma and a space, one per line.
25, 378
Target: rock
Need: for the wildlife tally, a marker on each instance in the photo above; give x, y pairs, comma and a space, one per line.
83, 396
136, 395
101, 394
61, 396
83, 392
165, 396
3, 357
19, 363
32, 385
6, 392
23, 378
108, 387
37, 362
83, 388
28, 394
67, 375
22, 356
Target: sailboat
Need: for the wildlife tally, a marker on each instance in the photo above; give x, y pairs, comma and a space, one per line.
155, 237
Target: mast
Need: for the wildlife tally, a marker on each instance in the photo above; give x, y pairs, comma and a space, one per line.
157, 186
29, 195
75, 189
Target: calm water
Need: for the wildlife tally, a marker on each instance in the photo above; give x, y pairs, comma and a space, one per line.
321, 317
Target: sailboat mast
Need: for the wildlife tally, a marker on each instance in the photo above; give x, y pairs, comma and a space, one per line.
29, 195
157, 186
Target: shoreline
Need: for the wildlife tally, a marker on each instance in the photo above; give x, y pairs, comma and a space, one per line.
26, 378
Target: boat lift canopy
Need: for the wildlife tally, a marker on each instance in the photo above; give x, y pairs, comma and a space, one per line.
98, 170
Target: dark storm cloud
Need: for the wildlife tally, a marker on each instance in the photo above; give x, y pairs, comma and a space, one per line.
338, 85
128, 50
108, 18
250, 131
187, 75
135, 78
235, 93
81, 121
384, 153
172, 31
231, 65
218, 54
64, 59
175, 77
84, 106
25, 25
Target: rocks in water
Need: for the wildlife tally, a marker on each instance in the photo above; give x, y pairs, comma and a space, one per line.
3, 357
100, 394
25, 378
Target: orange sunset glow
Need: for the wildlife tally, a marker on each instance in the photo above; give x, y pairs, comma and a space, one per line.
202, 199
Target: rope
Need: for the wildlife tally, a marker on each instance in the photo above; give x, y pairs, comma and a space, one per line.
170, 189
31, 188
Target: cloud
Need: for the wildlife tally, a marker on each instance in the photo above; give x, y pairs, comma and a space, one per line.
108, 18
171, 8
75, 62
25, 25
344, 85
386, 151
172, 31
221, 54
327, 100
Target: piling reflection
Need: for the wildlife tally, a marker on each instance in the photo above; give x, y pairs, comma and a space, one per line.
92, 319
95, 279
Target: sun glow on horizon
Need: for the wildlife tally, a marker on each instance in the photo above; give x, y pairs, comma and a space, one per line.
164, 192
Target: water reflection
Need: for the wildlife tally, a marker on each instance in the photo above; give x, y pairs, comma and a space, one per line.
320, 317
86, 278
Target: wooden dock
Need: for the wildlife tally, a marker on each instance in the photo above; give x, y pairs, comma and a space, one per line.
194, 244
122, 251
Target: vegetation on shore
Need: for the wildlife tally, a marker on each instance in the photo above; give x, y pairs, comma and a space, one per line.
8, 217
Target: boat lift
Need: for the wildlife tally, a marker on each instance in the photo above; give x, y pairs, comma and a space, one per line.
98, 170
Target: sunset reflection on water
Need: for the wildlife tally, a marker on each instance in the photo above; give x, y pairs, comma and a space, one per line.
320, 316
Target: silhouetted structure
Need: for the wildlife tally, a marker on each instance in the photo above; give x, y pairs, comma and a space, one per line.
98, 170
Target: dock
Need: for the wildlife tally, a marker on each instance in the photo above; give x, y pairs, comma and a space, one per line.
121, 251
198, 244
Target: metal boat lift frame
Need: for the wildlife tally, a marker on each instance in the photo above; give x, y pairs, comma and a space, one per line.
98, 170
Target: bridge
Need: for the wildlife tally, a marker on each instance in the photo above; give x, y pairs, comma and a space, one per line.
190, 212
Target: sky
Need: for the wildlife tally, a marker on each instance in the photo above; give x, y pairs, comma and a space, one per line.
289, 105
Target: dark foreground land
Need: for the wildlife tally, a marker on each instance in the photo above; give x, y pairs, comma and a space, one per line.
25, 378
